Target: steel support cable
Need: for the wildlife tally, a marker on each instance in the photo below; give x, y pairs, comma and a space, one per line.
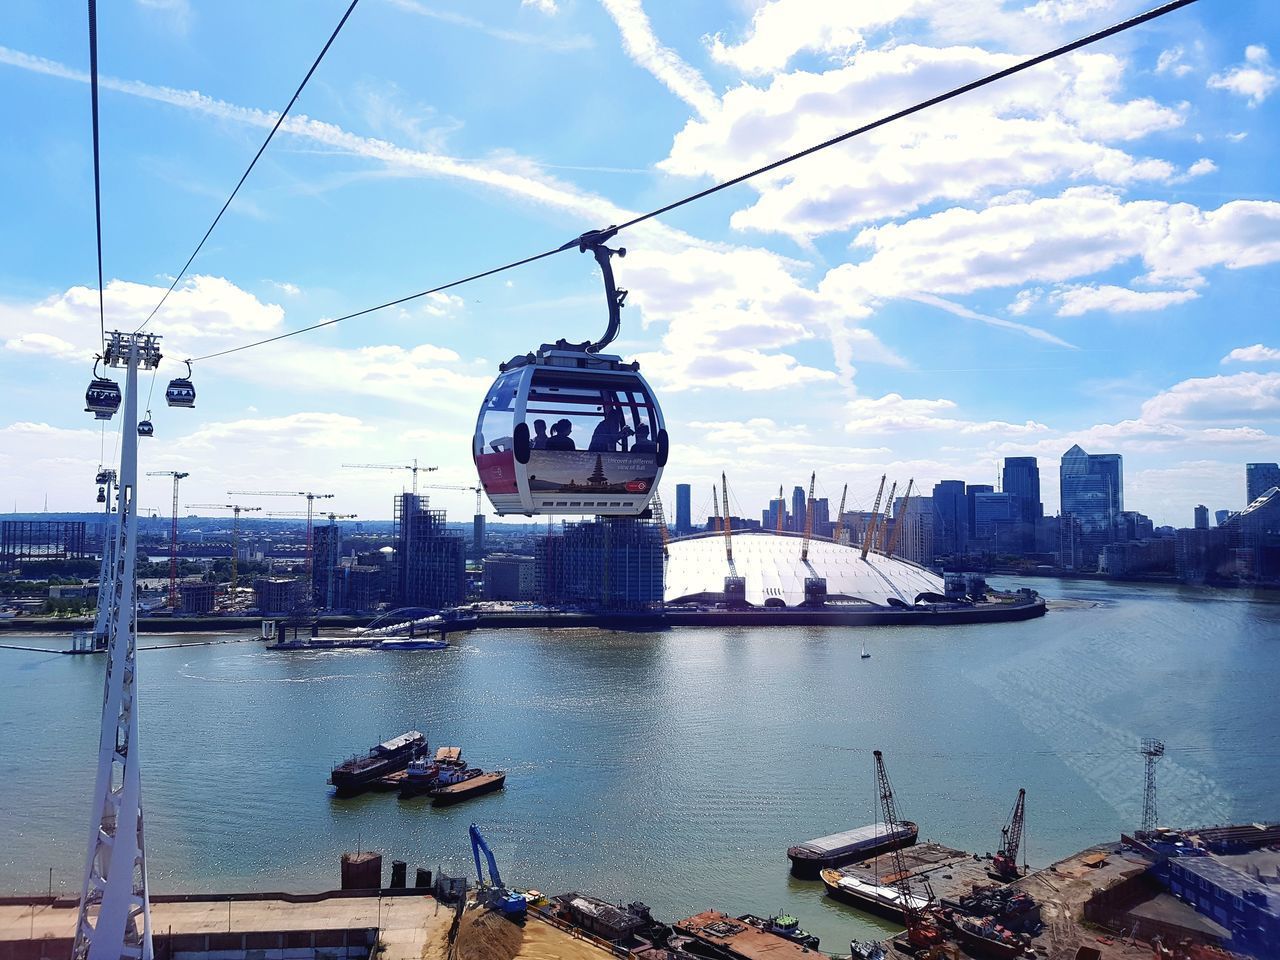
1085, 41
97, 163
252, 163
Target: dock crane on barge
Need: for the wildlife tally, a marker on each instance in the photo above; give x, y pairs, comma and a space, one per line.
922, 929
1005, 863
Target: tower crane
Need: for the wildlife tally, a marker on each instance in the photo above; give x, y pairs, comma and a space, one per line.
869, 534
1006, 860
311, 502
178, 477
411, 467
236, 510
477, 521
922, 930
839, 531
458, 486
808, 520
899, 521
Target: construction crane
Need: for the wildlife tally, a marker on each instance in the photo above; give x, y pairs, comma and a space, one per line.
922, 929
411, 467
661, 517
311, 502
808, 520
899, 521
840, 515
869, 534
456, 486
728, 533
236, 509
178, 477
510, 904
1005, 863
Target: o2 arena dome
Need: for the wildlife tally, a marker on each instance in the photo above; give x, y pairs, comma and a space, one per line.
770, 572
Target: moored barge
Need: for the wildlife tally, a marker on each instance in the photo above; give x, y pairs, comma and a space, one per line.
809, 859
883, 901
359, 773
473, 784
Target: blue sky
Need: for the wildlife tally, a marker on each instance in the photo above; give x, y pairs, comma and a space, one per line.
1085, 254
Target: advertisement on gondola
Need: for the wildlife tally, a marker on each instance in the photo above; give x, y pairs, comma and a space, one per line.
583, 472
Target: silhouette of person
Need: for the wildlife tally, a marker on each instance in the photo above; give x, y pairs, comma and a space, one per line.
539, 435
560, 439
643, 444
611, 433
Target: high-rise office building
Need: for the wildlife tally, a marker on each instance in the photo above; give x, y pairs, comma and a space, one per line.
1259, 478
1220, 517
914, 530
612, 563
950, 518
1202, 517
797, 509
1021, 477
822, 526
1092, 489
684, 517
326, 551
774, 517
432, 563
971, 495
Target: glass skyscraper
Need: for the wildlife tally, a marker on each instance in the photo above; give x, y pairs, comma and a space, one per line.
950, 517
684, 521
1259, 478
1092, 487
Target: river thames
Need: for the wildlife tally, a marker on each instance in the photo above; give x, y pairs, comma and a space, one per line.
673, 767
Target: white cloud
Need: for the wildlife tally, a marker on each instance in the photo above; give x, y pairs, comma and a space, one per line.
1254, 354
566, 44
1170, 61
1049, 126
892, 413
643, 46
1237, 137
289, 289
48, 345
1234, 397
549, 7
1024, 301
1083, 231
1253, 79
1076, 300
1066, 11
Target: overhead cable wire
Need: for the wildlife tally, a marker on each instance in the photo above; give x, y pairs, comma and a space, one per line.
1122, 26
97, 163
279, 120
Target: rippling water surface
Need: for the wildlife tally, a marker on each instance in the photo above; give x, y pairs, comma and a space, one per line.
671, 767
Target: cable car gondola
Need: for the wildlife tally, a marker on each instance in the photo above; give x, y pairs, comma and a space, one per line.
181, 392
145, 427
102, 495
102, 399
570, 430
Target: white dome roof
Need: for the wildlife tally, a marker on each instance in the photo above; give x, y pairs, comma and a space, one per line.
770, 563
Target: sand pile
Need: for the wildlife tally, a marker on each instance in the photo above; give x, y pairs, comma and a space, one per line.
485, 935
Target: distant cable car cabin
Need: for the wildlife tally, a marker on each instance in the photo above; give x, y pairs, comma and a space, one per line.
181, 392
102, 399
145, 428
102, 495
569, 430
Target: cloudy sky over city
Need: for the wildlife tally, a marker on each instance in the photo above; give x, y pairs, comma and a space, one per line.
1086, 253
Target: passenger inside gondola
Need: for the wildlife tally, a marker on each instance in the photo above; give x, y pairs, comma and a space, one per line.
643, 444
610, 436
560, 439
540, 438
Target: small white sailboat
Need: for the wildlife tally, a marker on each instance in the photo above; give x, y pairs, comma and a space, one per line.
865, 655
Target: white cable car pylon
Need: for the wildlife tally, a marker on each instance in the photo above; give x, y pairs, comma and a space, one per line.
114, 919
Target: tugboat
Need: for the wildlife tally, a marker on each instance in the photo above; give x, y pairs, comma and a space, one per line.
783, 925
866, 950
358, 773
424, 774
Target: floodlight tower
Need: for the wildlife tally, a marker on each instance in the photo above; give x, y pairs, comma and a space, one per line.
114, 919
1153, 750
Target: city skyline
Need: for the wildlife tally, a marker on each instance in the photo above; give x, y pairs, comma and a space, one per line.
824, 304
